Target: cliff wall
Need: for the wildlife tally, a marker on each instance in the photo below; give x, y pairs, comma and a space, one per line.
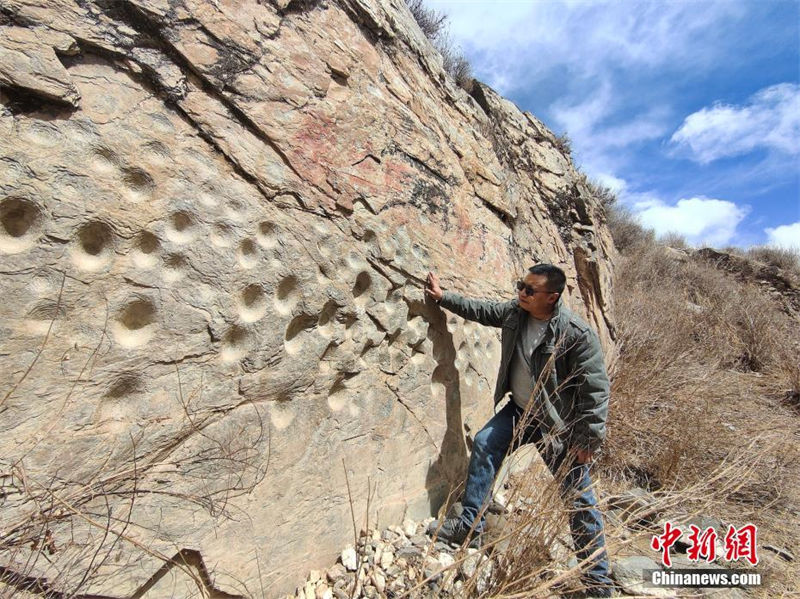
217, 218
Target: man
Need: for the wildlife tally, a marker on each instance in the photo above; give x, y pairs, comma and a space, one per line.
551, 358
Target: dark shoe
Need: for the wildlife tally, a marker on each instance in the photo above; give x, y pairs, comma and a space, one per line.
454, 530
590, 593
599, 590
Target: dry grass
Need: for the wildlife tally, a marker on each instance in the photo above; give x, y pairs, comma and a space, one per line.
435, 26
709, 372
698, 350
564, 144
625, 230
786, 260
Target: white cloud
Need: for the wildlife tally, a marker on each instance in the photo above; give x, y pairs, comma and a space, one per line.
770, 119
785, 236
597, 69
517, 42
615, 184
581, 120
596, 141
702, 221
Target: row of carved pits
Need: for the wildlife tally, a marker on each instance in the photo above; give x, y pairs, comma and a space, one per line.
95, 244
136, 322
137, 318
345, 332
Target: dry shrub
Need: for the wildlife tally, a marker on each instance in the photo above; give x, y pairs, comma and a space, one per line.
430, 21
791, 374
626, 231
454, 62
785, 259
603, 194
435, 27
458, 67
674, 240
707, 366
564, 144
531, 548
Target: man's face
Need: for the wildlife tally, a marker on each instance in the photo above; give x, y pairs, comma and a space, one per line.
541, 301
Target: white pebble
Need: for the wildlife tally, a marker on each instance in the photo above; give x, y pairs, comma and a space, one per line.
409, 528
470, 564
379, 581
349, 559
445, 559
324, 592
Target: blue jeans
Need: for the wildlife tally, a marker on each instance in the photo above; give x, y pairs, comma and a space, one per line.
488, 451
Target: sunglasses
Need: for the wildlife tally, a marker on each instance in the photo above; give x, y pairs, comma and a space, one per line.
530, 290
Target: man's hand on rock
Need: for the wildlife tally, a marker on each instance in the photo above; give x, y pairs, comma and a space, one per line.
433, 290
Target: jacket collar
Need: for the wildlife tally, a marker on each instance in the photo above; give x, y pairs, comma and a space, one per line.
554, 326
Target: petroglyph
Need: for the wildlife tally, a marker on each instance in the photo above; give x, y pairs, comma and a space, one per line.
252, 303
21, 225
94, 246
181, 227
247, 254
136, 322
145, 251
287, 296
235, 344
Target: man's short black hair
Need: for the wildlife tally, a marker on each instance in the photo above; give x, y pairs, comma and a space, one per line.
556, 279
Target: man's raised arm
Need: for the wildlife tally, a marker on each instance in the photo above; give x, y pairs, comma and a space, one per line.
485, 312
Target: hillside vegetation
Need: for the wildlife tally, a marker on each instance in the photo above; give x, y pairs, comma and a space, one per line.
706, 392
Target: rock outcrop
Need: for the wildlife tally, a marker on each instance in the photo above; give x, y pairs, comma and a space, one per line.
217, 218
774, 281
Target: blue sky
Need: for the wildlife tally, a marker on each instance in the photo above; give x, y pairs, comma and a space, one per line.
688, 109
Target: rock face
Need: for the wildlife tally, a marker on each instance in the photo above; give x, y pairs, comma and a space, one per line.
217, 218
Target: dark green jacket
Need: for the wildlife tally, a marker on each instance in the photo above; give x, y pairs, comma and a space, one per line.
571, 400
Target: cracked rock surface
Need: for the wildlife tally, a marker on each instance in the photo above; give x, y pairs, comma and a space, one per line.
216, 219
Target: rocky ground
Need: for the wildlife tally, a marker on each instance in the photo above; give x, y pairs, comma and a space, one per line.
404, 561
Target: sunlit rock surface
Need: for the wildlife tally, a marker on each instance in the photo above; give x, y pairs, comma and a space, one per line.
216, 221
